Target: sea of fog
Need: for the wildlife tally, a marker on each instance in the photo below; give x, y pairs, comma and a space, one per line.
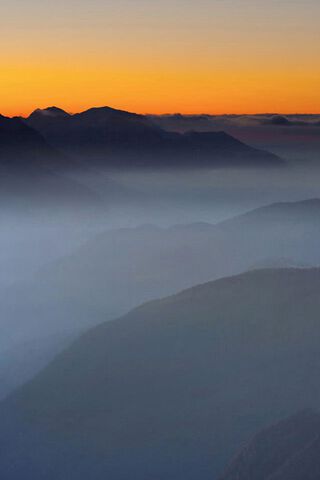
39, 240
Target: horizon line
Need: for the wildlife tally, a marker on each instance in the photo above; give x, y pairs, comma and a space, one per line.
164, 114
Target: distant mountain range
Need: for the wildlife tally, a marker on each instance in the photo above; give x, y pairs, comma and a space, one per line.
121, 269
118, 139
38, 153
149, 261
289, 450
290, 136
172, 389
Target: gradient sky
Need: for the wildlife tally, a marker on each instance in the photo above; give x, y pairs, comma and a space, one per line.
158, 56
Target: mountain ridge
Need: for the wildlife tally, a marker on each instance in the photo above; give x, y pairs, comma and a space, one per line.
175, 386
118, 138
149, 262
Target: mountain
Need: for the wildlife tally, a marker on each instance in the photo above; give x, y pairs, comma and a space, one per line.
20, 363
31, 172
288, 450
294, 137
116, 139
173, 388
120, 269
149, 261
48, 112
20, 144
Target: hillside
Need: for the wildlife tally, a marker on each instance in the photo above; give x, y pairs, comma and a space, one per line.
120, 269
20, 144
289, 450
147, 262
172, 389
31, 173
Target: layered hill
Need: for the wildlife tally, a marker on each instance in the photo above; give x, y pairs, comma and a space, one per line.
149, 261
120, 269
118, 139
172, 389
289, 450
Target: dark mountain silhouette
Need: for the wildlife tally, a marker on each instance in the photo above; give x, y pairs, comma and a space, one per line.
48, 112
174, 387
289, 450
116, 138
31, 172
21, 145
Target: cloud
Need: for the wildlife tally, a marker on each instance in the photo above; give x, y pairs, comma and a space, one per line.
271, 120
284, 121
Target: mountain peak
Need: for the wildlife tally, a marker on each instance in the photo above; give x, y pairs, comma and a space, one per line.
106, 112
50, 112
138, 142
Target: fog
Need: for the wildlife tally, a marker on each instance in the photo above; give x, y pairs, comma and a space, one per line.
68, 266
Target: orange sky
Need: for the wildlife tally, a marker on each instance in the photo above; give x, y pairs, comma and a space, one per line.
191, 56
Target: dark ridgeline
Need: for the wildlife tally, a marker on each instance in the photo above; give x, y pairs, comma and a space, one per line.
172, 389
115, 139
30, 171
289, 450
35, 154
22, 146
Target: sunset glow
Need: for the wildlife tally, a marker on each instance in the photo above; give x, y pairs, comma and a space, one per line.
159, 57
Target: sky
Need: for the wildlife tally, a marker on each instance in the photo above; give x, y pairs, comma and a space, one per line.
160, 56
